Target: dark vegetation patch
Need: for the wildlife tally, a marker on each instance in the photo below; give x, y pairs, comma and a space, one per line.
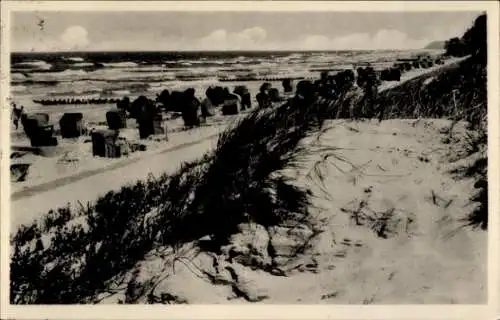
56, 262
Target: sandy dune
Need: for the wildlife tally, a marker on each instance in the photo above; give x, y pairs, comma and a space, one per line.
405, 246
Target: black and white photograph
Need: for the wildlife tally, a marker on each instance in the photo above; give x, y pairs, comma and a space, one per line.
265, 157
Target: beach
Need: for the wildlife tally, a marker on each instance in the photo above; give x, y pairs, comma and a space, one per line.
71, 162
256, 163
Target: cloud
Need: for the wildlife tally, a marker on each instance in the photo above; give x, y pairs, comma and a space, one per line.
383, 39
248, 39
74, 37
255, 34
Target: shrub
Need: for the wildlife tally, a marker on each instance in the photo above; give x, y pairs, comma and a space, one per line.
70, 256
473, 42
455, 48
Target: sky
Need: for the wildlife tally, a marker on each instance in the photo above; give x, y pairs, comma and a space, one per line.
180, 31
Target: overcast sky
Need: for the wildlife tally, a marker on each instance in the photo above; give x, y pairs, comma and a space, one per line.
170, 31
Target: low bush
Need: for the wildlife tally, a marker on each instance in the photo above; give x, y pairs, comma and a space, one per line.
70, 255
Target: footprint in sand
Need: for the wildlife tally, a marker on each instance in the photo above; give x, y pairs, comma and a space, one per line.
347, 243
330, 295
341, 254
368, 189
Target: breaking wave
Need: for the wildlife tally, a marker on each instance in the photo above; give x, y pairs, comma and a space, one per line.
82, 65
35, 64
127, 64
75, 59
132, 73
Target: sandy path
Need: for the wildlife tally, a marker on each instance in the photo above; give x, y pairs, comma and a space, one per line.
30, 204
30, 191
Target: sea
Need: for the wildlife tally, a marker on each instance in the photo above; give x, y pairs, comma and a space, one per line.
57, 75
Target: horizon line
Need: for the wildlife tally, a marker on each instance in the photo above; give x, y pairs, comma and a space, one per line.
213, 51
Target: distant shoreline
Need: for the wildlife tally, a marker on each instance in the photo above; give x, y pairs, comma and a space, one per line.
218, 51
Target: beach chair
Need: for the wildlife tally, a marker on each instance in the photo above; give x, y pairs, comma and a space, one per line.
274, 95
158, 124
146, 120
116, 119
231, 105
246, 98
32, 121
42, 137
72, 125
146, 128
38, 130
104, 144
191, 118
19, 171
218, 95
287, 85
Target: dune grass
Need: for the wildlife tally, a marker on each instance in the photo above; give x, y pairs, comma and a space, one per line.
454, 92
457, 93
71, 253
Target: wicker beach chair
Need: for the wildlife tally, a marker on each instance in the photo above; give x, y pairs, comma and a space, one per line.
72, 125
